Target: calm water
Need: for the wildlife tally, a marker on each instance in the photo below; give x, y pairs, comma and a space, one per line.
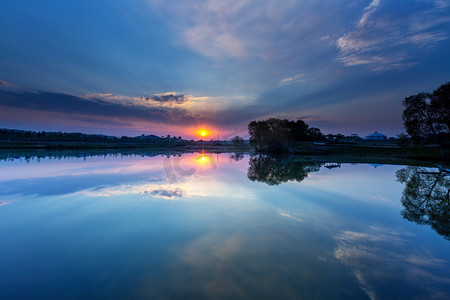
221, 226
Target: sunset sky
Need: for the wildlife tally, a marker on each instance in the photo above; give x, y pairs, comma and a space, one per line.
178, 67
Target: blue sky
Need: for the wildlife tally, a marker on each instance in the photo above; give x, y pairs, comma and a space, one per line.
170, 67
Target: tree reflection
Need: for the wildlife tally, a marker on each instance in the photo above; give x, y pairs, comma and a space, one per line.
274, 170
236, 156
426, 197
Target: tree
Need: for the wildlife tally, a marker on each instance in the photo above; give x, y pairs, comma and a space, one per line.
237, 156
237, 140
280, 135
426, 197
315, 134
426, 116
274, 170
403, 140
440, 102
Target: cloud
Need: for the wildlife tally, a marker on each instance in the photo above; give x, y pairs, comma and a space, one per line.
177, 112
74, 106
163, 99
168, 194
209, 27
261, 30
368, 11
168, 98
7, 85
377, 258
295, 78
384, 40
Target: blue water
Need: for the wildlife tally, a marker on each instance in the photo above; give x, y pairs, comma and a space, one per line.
214, 226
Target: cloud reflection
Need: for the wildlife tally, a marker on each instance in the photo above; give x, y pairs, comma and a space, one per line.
376, 259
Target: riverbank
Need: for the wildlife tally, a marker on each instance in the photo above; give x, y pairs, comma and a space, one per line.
361, 151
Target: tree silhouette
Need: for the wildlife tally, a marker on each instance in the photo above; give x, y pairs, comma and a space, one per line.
274, 170
427, 116
426, 197
278, 135
237, 140
237, 156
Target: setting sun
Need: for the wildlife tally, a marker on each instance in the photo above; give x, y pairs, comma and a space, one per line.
203, 132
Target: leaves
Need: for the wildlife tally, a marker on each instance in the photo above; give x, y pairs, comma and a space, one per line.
426, 197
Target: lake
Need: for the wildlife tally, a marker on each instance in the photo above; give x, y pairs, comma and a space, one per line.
221, 226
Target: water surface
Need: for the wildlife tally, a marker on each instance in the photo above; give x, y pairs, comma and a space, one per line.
221, 226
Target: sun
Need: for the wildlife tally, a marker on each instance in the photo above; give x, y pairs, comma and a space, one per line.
203, 132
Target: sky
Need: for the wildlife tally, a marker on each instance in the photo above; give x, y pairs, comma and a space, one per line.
173, 67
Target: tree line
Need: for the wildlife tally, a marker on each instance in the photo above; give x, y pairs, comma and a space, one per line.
13, 135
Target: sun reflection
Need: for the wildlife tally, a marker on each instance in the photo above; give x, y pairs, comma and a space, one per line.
202, 158
205, 159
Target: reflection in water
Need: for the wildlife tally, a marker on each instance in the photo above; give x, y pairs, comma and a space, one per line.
275, 170
29, 155
237, 156
103, 227
378, 259
426, 197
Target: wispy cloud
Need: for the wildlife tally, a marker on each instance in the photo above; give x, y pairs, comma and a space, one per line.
168, 99
209, 27
8, 85
254, 30
368, 11
375, 257
384, 40
295, 78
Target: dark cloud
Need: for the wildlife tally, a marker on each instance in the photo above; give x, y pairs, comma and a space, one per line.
77, 106
99, 112
168, 98
168, 193
3, 83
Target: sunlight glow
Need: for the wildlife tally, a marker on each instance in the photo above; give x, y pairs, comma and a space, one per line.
203, 132
202, 159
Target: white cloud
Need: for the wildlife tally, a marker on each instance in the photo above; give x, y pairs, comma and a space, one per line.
245, 29
385, 41
295, 78
368, 11
377, 257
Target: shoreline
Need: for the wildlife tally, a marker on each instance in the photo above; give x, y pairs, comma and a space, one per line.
339, 154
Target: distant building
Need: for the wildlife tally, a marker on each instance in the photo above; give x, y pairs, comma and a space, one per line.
376, 137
